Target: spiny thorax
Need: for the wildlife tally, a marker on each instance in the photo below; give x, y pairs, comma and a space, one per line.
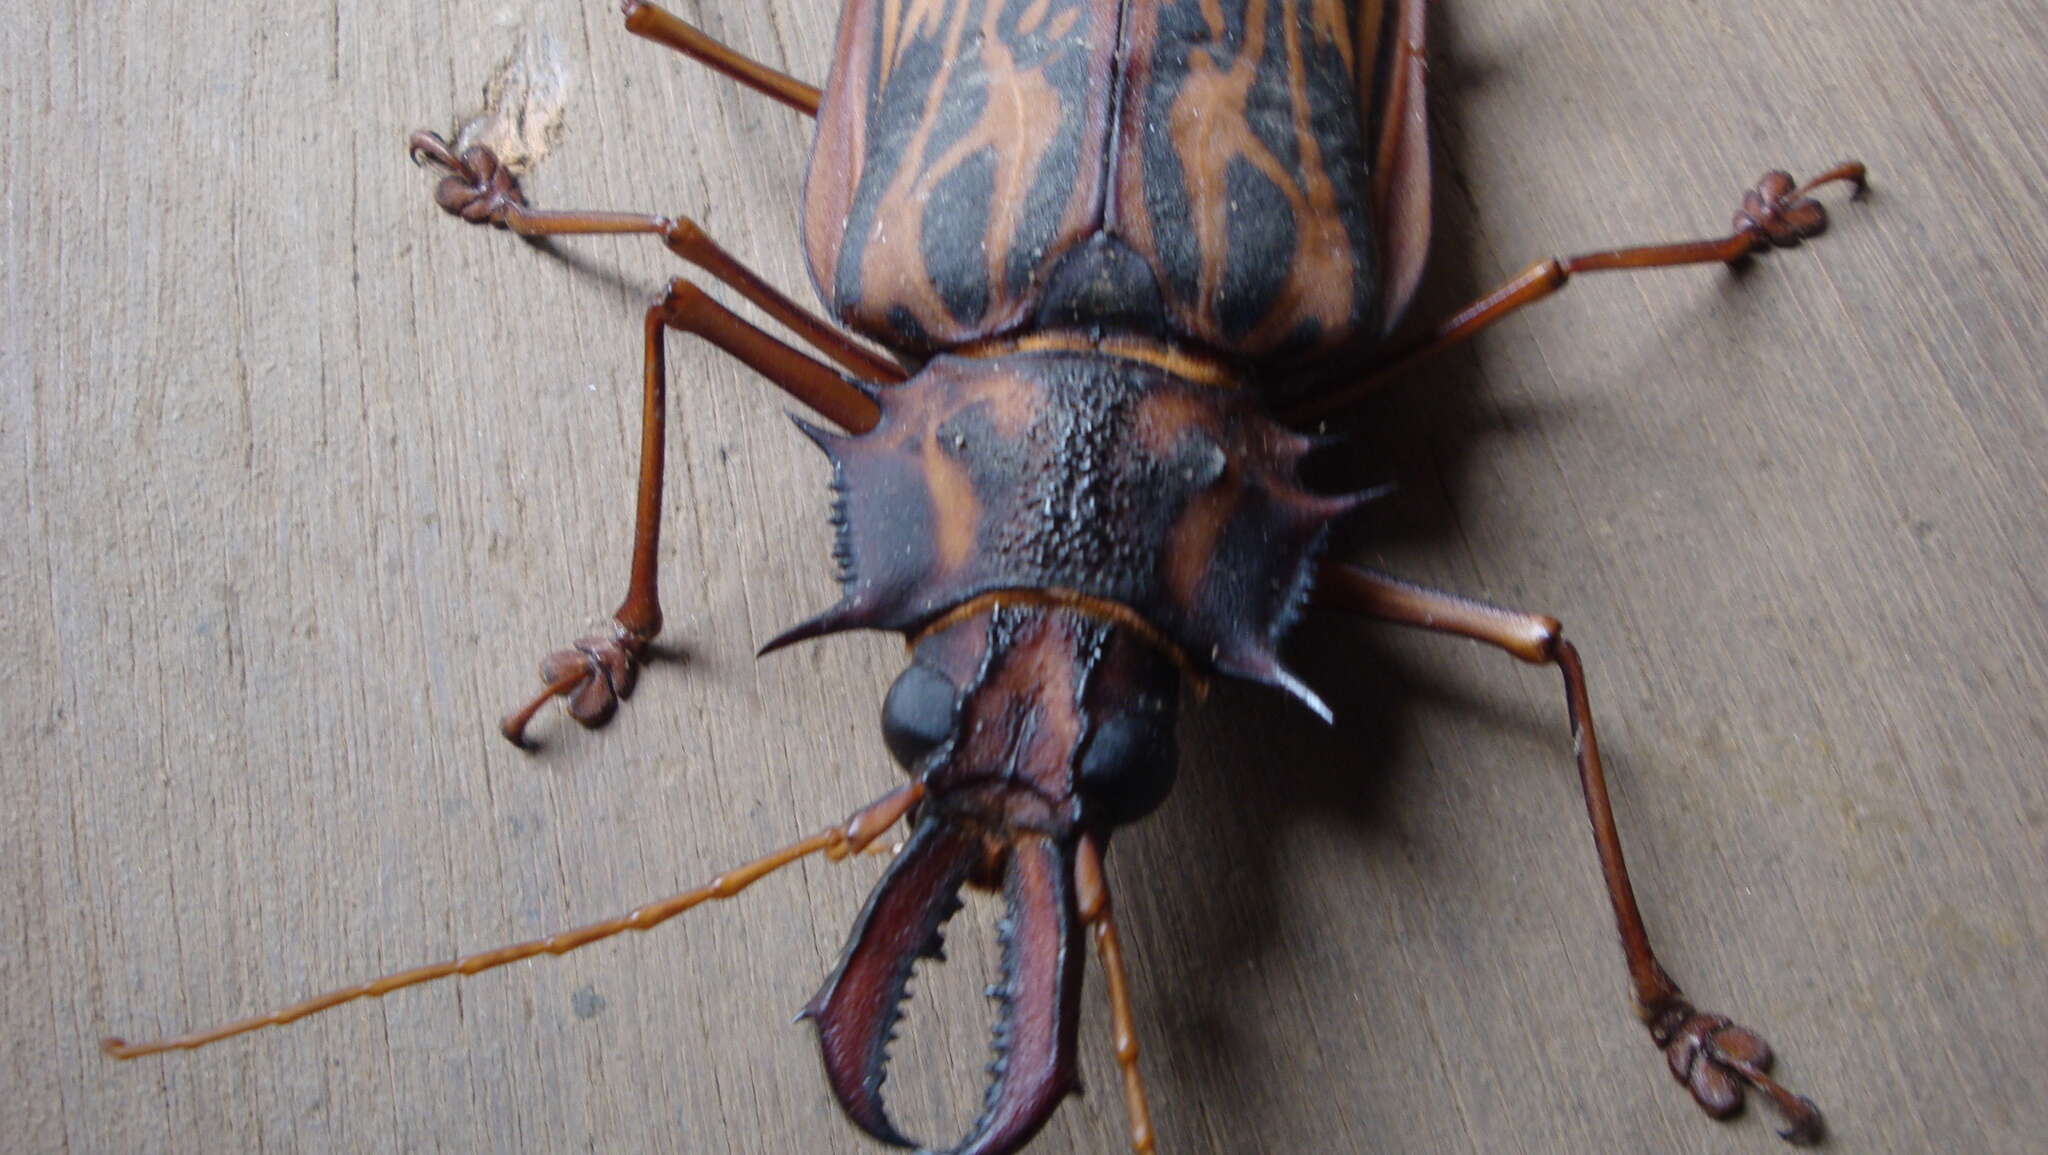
1097, 478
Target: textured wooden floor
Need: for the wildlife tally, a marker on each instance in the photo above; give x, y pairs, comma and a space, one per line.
298, 478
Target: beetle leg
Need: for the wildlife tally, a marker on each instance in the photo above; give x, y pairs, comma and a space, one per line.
664, 27
836, 843
1091, 898
480, 189
1773, 214
1707, 1053
596, 673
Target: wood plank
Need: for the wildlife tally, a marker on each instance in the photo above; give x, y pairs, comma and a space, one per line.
300, 477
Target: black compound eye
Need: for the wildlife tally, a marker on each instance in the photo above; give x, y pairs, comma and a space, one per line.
1130, 764
918, 714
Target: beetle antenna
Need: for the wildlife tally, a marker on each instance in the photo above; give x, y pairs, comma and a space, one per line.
1092, 899
837, 843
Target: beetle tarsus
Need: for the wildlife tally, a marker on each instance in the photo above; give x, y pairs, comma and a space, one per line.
478, 186
1712, 1057
593, 675
1779, 213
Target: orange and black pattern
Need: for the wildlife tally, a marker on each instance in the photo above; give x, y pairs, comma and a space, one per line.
1193, 171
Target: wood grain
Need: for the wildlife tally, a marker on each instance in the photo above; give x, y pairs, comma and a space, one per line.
300, 477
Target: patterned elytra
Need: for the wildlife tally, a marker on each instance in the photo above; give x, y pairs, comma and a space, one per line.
1197, 172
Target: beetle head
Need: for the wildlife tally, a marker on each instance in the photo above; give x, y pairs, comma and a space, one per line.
1021, 713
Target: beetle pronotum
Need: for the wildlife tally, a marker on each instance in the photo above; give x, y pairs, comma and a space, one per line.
1117, 252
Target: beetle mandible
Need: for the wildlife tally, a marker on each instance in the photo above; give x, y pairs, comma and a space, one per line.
1117, 252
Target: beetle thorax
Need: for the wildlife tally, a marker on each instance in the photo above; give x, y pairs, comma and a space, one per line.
1094, 480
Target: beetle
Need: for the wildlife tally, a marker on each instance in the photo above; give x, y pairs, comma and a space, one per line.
1115, 254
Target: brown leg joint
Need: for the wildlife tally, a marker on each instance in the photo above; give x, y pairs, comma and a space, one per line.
1711, 1056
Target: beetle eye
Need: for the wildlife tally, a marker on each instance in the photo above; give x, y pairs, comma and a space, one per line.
918, 714
1130, 764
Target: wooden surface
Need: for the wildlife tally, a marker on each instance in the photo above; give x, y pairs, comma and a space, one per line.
299, 477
